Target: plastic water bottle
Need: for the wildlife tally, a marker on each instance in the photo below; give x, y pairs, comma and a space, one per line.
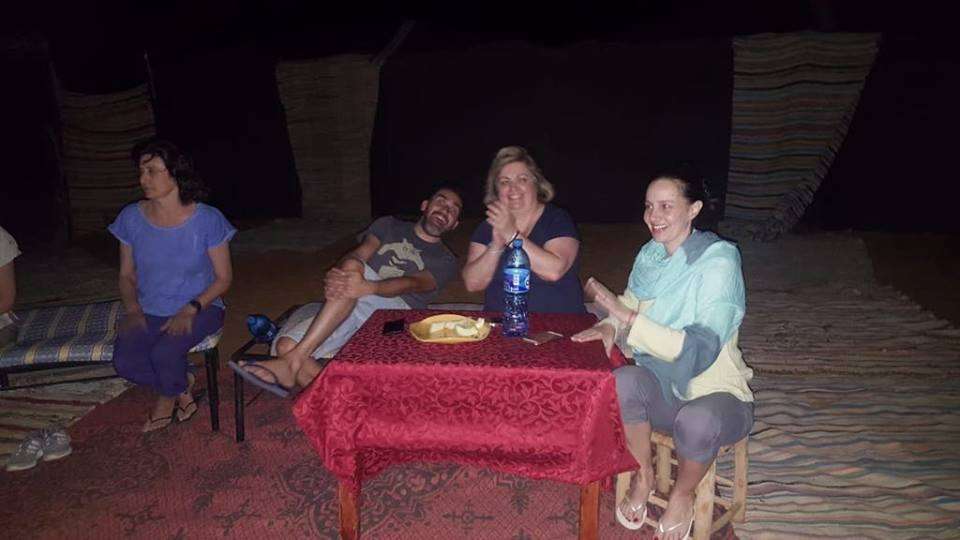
261, 328
516, 285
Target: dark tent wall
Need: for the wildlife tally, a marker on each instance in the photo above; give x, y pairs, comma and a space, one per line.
224, 109
897, 170
239, 119
600, 119
32, 194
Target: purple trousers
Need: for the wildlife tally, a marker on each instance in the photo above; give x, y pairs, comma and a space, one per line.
153, 358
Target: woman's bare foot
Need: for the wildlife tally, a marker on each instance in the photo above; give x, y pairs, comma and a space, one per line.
186, 406
633, 506
161, 415
186, 398
676, 519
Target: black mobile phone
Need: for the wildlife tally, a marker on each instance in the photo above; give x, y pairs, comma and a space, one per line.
393, 327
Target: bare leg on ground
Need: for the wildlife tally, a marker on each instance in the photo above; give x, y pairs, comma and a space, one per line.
638, 442
680, 506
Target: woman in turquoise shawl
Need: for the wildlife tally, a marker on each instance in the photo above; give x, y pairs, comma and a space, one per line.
678, 319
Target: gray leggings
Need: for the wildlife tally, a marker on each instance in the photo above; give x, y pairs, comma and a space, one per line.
699, 427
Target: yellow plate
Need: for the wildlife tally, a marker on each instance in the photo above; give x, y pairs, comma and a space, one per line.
421, 330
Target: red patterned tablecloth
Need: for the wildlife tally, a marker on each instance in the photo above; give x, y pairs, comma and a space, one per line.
547, 411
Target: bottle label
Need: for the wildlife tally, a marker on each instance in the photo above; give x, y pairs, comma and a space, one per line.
516, 280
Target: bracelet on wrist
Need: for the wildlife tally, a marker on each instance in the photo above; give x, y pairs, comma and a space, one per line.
196, 305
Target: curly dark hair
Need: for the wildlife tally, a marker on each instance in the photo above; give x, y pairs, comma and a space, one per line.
179, 164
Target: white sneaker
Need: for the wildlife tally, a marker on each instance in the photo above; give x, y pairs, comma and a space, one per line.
28, 453
56, 443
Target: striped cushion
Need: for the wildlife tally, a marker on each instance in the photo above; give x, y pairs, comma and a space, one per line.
88, 348
98, 320
82, 333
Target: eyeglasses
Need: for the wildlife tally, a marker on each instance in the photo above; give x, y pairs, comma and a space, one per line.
152, 171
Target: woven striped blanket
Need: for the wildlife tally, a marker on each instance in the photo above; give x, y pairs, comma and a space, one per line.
858, 419
794, 96
854, 458
25, 410
847, 330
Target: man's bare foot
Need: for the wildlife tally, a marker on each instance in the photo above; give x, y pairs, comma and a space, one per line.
676, 519
280, 369
309, 371
633, 506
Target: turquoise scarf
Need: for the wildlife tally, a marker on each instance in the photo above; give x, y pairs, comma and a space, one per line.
700, 285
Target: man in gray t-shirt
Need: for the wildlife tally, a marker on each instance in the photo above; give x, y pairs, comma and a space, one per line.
402, 252
398, 265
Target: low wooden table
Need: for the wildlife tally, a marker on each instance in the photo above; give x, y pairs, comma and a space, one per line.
545, 412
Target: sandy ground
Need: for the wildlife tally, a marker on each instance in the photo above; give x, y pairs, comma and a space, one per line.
924, 266
268, 280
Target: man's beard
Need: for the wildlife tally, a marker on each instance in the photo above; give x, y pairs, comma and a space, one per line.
429, 227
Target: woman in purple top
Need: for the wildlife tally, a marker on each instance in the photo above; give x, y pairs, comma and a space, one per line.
174, 266
518, 206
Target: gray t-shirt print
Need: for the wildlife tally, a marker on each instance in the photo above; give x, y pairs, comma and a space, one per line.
402, 253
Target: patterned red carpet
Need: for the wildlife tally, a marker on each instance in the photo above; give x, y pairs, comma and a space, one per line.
188, 482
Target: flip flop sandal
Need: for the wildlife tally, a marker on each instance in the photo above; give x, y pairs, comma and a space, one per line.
661, 531
273, 387
186, 413
632, 525
153, 424
622, 518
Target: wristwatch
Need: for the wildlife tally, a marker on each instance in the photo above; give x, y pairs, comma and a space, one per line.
197, 305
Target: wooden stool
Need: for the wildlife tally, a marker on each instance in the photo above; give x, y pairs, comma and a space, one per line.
703, 523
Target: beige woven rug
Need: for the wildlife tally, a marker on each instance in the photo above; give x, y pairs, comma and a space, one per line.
29, 409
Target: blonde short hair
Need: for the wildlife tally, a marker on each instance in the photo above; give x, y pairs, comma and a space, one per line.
514, 154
